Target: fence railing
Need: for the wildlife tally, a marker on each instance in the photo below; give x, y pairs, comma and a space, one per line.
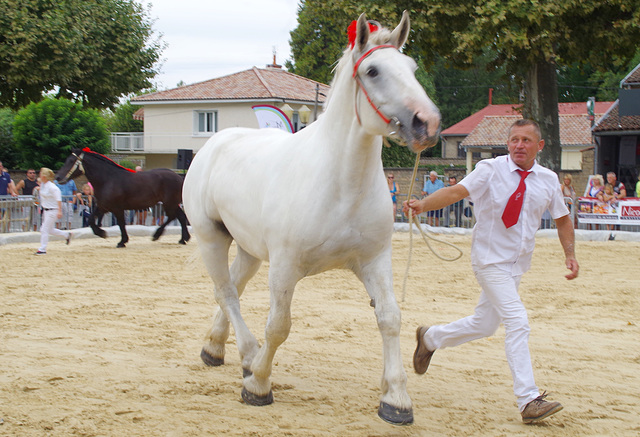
127, 141
23, 214
458, 215
462, 216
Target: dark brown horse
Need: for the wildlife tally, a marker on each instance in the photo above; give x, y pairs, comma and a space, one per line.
118, 189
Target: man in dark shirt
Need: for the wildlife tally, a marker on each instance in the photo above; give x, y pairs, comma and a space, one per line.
27, 185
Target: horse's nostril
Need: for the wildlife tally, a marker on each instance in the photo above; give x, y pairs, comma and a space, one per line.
419, 124
420, 127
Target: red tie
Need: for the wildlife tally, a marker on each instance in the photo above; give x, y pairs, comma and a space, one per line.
514, 205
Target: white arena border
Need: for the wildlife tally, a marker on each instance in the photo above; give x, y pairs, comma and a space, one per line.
148, 231
581, 234
81, 233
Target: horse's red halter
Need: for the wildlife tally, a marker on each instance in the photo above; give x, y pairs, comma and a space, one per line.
386, 119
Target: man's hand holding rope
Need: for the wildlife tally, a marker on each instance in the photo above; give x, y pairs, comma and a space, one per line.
438, 200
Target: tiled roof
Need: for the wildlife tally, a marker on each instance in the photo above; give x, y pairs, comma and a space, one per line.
612, 122
632, 78
575, 129
464, 127
490, 132
467, 125
139, 114
256, 83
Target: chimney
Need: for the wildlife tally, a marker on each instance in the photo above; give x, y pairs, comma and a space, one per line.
490, 95
274, 65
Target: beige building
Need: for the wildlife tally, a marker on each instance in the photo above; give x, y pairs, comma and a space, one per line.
179, 121
484, 134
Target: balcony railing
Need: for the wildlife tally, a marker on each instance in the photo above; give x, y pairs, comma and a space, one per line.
127, 142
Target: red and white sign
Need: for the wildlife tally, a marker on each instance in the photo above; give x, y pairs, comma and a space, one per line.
621, 212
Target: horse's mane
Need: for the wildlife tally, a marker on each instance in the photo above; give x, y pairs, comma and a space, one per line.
106, 159
379, 37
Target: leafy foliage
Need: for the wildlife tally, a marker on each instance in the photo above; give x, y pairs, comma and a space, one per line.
93, 51
321, 36
45, 132
397, 156
9, 155
460, 92
127, 164
579, 82
121, 119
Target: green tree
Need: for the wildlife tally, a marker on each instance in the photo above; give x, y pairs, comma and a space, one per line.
121, 119
577, 83
90, 51
45, 132
9, 155
461, 92
320, 38
530, 40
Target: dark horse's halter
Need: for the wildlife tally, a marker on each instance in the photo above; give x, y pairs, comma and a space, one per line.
76, 165
356, 76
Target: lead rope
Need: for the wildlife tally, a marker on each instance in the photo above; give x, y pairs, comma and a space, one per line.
424, 236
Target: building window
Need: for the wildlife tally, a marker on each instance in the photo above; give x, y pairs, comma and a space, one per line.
461, 152
206, 122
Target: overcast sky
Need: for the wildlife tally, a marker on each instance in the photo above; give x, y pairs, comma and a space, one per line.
212, 38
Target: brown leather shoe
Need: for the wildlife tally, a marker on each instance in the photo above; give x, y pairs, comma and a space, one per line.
539, 409
422, 355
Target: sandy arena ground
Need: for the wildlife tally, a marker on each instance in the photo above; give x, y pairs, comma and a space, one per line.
99, 341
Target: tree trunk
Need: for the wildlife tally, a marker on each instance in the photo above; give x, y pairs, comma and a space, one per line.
541, 105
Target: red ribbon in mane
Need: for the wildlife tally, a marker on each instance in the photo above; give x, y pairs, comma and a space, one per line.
88, 150
351, 32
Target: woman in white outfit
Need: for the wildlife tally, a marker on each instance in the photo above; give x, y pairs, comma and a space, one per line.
51, 204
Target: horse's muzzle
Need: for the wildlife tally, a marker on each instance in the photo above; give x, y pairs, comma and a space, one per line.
422, 134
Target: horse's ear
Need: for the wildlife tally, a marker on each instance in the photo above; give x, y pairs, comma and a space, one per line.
362, 33
401, 33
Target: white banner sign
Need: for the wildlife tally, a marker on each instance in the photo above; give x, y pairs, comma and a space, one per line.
270, 116
621, 212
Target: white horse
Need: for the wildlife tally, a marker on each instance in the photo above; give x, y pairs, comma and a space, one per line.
309, 202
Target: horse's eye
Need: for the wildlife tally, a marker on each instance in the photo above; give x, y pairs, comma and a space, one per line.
372, 72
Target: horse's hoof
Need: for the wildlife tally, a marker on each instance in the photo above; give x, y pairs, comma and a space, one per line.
210, 360
155, 238
394, 415
121, 245
246, 372
255, 400
182, 242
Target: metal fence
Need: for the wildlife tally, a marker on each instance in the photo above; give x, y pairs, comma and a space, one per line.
455, 216
462, 216
23, 214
